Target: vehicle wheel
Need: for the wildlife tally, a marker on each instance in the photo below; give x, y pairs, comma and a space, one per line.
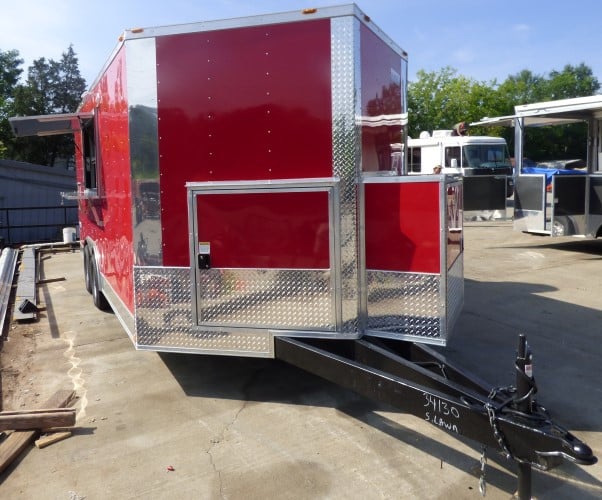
87, 269
98, 297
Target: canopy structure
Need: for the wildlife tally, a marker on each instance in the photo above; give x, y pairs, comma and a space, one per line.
44, 125
543, 114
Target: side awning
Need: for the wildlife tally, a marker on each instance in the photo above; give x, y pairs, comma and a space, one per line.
541, 114
529, 121
43, 125
498, 121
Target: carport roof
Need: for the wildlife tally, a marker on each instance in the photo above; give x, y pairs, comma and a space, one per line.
558, 112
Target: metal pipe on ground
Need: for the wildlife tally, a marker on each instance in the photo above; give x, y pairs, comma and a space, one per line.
8, 263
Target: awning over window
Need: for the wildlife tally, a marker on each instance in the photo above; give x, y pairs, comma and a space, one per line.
41, 125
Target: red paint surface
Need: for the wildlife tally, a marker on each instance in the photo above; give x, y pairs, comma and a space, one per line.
271, 230
402, 227
381, 96
113, 238
240, 104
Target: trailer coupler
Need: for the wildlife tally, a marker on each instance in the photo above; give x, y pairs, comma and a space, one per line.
418, 380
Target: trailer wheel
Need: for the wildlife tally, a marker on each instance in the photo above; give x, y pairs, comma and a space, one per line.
100, 301
87, 269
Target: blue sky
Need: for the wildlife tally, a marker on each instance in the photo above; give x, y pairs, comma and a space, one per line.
481, 39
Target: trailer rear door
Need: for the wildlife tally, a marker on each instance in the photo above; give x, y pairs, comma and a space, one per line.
264, 256
551, 204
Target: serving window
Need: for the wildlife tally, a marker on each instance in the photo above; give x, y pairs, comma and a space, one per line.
91, 155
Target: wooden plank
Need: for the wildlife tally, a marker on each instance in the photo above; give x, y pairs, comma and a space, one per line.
39, 411
17, 441
52, 438
37, 419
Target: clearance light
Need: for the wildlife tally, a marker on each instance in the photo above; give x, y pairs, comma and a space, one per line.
137, 30
309, 11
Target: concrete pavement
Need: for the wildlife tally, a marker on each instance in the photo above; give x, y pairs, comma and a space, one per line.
234, 428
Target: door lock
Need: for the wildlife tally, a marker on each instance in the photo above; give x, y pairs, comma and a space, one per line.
204, 255
204, 261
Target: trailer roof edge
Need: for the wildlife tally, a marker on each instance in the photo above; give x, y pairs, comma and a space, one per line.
588, 103
248, 21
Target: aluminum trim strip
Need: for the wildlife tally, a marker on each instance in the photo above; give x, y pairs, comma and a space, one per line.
144, 150
346, 143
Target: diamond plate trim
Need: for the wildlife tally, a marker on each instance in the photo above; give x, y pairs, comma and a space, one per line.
164, 322
404, 303
346, 157
282, 299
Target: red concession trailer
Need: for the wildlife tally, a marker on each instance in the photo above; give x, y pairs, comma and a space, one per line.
240, 180
241, 192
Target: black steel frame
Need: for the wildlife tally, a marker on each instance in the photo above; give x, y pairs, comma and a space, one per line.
420, 381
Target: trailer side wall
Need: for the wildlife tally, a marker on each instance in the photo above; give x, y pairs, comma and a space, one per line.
106, 214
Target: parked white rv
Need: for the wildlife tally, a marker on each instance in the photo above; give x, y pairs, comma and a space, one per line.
482, 161
458, 154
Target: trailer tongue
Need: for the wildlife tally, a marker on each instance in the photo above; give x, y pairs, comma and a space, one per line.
417, 380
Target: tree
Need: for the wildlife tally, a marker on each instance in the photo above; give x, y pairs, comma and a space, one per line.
440, 100
69, 88
51, 87
33, 98
70, 85
522, 88
572, 81
426, 101
549, 143
10, 72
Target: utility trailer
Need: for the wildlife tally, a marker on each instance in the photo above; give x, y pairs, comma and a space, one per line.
241, 193
548, 201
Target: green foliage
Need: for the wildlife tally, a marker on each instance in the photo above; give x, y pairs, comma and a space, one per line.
572, 81
50, 87
10, 72
438, 100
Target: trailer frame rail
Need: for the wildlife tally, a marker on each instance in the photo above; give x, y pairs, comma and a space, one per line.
418, 380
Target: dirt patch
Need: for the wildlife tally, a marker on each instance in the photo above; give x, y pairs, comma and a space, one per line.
27, 357
17, 381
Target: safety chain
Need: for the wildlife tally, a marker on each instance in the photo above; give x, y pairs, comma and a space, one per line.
482, 483
508, 390
496, 430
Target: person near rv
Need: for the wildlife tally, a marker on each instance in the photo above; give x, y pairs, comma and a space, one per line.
460, 129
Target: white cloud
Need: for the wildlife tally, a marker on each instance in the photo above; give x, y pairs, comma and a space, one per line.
521, 28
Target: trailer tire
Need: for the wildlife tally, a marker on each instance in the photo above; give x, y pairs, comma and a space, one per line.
98, 298
87, 269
